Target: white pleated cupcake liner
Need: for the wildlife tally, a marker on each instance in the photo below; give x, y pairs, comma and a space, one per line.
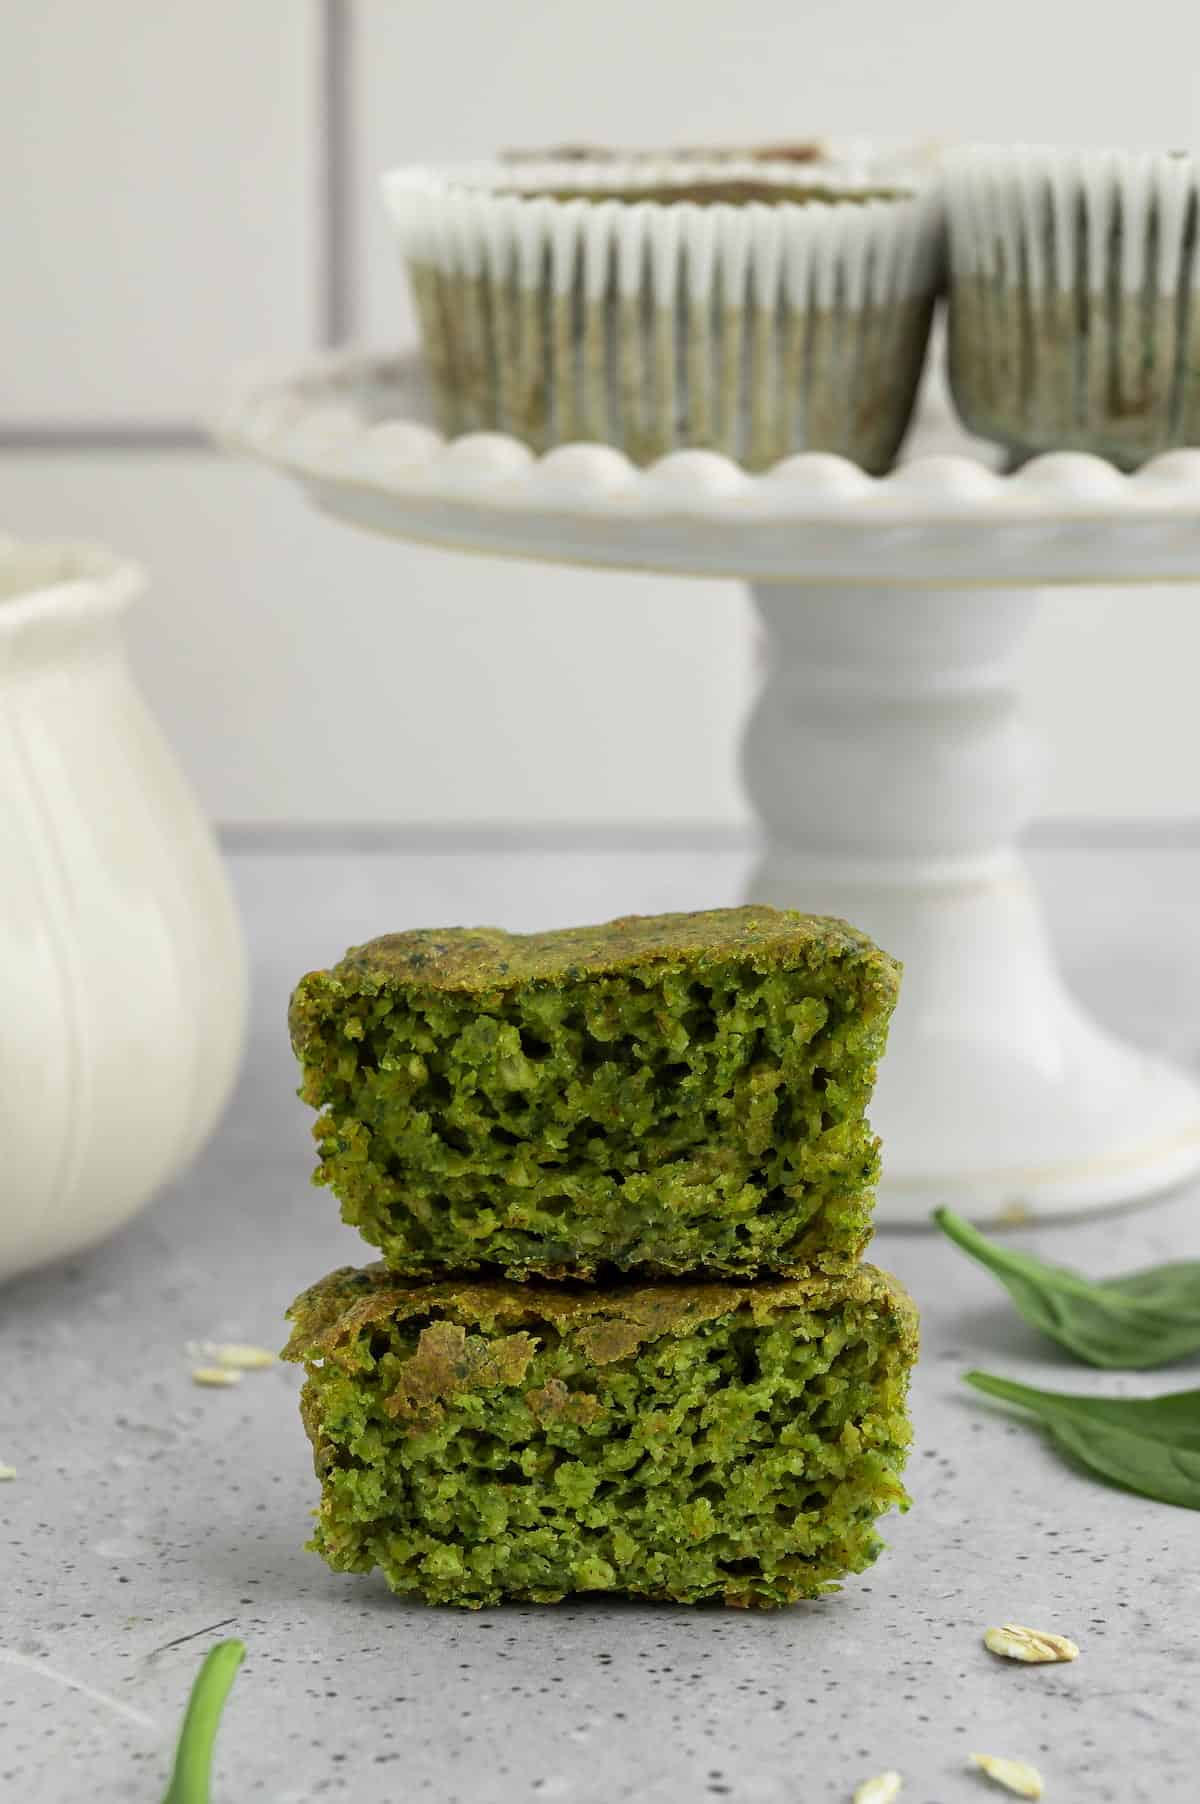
755, 329
1074, 319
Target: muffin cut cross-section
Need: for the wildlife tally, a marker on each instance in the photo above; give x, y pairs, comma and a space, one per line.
479, 1440
665, 1094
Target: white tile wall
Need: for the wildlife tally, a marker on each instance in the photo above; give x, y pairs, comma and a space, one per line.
1111, 684
166, 170
160, 167
307, 673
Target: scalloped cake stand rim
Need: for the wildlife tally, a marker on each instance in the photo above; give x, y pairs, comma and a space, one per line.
354, 428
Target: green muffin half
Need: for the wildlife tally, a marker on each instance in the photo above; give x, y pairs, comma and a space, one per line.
665, 1093
478, 1441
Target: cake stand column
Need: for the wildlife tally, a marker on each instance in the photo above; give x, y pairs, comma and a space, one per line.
892, 770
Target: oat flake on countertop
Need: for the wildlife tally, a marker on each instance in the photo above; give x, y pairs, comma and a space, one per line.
1015, 1775
1035, 1646
215, 1376
239, 1356
884, 1788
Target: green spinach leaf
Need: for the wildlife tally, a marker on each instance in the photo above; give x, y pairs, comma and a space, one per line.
1147, 1444
1146, 1319
193, 1756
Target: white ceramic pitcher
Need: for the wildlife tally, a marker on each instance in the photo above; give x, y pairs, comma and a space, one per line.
122, 983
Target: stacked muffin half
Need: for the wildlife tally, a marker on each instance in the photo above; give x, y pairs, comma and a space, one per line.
622, 1179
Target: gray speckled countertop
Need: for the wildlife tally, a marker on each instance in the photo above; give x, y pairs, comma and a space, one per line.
149, 1517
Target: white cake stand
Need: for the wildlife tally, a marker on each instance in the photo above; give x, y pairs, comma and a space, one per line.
886, 756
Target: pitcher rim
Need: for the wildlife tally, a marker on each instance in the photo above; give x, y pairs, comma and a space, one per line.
64, 578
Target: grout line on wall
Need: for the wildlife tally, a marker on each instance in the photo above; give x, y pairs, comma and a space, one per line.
336, 175
456, 839
105, 435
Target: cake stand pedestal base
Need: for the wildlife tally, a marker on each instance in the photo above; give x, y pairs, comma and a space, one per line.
889, 761
999, 1096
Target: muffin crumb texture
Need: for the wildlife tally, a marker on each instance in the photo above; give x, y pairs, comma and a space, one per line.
665, 1094
484, 1440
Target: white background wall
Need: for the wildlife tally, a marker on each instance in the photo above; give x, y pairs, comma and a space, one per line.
188, 186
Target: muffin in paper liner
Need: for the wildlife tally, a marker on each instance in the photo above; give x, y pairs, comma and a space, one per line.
1073, 323
657, 306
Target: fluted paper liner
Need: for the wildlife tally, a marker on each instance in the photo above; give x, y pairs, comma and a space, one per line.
1073, 319
756, 329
